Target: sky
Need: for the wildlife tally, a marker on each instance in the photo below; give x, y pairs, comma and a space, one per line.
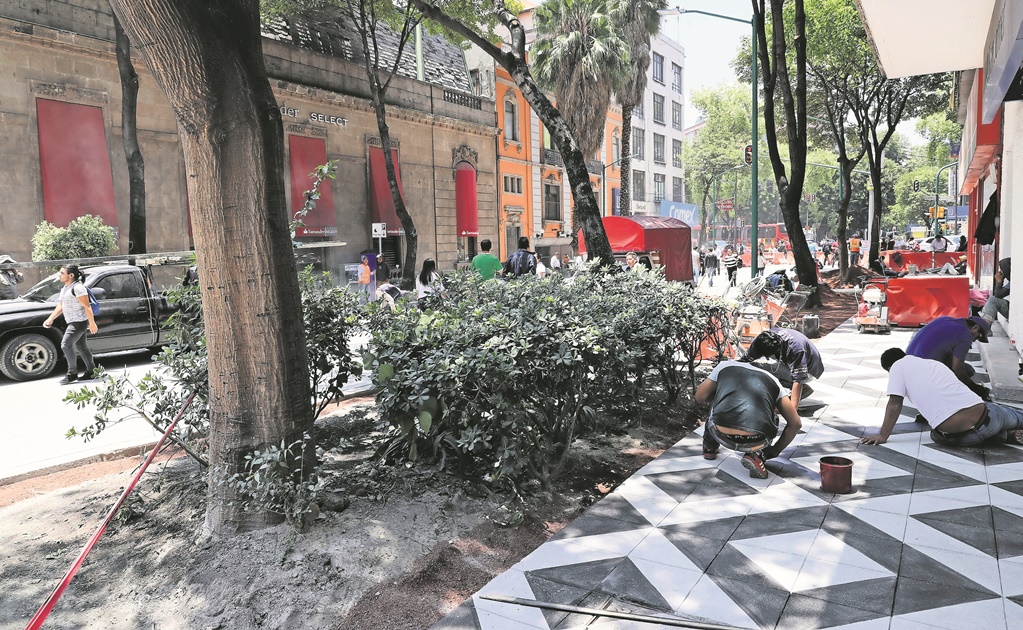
710, 43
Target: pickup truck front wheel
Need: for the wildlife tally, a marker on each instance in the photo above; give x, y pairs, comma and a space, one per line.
28, 357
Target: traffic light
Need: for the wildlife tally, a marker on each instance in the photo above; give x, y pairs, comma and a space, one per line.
941, 212
916, 185
930, 212
748, 154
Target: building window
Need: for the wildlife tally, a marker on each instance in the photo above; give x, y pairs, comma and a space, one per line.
637, 111
546, 138
659, 68
658, 187
639, 186
513, 185
676, 78
616, 146
658, 148
638, 142
676, 115
676, 189
658, 109
676, 153
551, 202
511, 121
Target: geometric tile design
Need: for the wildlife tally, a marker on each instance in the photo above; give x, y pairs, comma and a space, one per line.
992, 530
930, 537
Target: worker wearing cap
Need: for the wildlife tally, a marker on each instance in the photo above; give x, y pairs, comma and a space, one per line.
948, 340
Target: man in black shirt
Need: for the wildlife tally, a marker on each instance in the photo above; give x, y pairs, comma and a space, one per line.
522, 262
744, 399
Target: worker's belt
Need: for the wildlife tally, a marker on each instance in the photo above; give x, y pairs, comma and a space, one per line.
985, 418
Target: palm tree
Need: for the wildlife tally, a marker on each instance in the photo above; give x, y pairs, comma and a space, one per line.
578, 56
637, 20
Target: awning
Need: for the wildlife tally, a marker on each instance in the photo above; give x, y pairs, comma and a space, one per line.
981, 143
75, 163
466, 212
380, 200
305, 155
913, 37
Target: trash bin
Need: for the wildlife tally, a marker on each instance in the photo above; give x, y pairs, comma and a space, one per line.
811, 326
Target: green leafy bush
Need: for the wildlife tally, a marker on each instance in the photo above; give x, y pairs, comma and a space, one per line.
500, 377
160, 393
331, 320
85, 237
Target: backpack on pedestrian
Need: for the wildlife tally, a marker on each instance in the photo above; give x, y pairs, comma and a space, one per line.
93, 302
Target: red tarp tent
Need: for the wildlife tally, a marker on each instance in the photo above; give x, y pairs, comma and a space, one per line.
671, 238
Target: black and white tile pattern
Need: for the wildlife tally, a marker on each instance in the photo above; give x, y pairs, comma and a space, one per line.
931, 537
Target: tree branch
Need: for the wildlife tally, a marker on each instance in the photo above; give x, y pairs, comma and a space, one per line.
437, 15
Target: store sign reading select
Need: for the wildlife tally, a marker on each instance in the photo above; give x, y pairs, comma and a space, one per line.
291, 112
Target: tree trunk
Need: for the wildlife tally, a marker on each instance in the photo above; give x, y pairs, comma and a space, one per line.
587, 211
408, 266
625, 168
207, 59
704, 215
775, 71
514, 61
130, 140
874, 164
845, 172
368, 23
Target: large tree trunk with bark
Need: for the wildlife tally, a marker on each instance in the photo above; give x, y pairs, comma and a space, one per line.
208, 60
775, 65
130, 141
625, 186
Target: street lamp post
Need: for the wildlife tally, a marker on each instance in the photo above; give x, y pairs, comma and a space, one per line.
603, 180
755, 140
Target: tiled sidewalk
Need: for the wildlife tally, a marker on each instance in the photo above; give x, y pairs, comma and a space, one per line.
931, 537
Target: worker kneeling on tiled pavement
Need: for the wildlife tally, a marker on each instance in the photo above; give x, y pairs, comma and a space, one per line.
948, 340
798, 361
958, 416
745, 400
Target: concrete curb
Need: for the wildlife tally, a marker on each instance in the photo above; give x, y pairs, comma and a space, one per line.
1002, 363
121, 453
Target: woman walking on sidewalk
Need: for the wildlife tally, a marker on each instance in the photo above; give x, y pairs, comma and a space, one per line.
74, 305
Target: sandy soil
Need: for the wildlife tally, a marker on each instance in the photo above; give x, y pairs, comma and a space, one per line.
408, 549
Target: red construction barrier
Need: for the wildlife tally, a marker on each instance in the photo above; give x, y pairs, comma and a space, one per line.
51, 601
917, 300
922, 260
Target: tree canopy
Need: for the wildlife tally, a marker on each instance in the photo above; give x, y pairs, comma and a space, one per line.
579, 55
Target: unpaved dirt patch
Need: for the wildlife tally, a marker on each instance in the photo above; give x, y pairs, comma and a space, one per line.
409, 548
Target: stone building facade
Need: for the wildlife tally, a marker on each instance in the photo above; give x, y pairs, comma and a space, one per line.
60, 135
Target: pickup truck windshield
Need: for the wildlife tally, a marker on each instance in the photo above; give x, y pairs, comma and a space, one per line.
46, 291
